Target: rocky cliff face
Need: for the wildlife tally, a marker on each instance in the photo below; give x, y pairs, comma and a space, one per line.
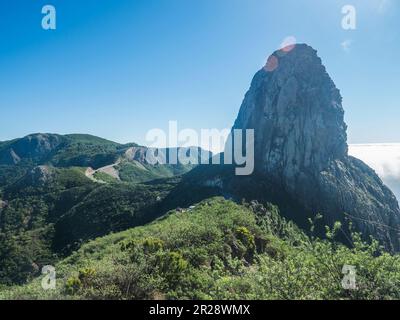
300, 146
34, 147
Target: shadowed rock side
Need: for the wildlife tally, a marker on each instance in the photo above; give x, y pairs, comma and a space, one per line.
35, 147
300, 146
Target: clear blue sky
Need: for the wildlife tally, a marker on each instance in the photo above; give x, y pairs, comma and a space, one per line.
119, 68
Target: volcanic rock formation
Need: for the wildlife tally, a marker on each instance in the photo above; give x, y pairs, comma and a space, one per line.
296, 112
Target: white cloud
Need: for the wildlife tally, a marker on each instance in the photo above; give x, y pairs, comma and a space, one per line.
384, 159
346, 45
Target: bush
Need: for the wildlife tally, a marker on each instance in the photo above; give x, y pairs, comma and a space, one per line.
73, 285
221, 250
152, 245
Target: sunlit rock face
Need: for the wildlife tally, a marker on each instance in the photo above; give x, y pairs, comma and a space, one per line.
301, 147
384, 158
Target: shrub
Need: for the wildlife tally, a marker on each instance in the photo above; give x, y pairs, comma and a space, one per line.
247, 239
152, 245
172, 265
73, 285
86, 274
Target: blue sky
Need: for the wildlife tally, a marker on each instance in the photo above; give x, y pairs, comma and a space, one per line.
120, 68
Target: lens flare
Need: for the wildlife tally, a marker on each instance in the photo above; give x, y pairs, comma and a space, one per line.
288, 44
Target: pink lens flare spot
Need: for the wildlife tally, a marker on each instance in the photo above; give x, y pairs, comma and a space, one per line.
271, 64
288, 44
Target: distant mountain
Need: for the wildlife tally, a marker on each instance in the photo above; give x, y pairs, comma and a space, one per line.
384, 158
105, 160
57, 192
62, 151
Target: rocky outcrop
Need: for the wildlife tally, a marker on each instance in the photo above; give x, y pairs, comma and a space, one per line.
136, 154
144, 155
39, 176
301, 149
3, 204
35, 147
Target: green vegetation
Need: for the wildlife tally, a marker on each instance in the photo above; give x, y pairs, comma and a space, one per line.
52, 211
86, 151
108, 208
120, 239
219, 250
49, 207
135, 172
34, 204
10, 174
104, 177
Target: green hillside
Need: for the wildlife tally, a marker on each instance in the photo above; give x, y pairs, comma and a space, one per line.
19, 156
135, 172
55, 210
49, 206
219, 250
86, 151
117, 230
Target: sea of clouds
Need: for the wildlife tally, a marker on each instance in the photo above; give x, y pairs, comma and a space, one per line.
384, 159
